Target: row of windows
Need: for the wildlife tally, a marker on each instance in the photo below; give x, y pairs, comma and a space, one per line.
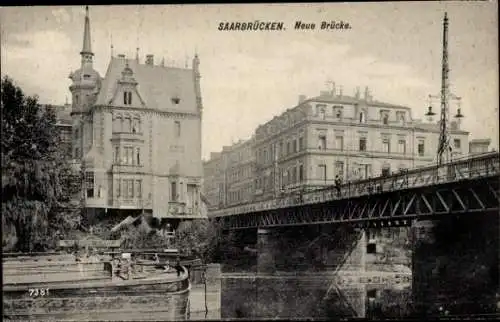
360, 171
242, 155
127, 124
283, 148
338, 113
362, 144
240, 195
292, 175
265, 183
240, 174
128, 188
127, 155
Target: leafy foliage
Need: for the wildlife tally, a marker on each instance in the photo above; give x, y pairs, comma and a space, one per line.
201, 238
37, 182
140, 238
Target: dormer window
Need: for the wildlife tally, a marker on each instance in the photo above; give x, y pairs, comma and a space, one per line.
176, 100
400, 116
384, 117
127, 98
337, 110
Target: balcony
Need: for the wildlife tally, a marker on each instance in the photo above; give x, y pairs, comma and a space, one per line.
371, 154
128, 168
127, 136
180, 210
127, 203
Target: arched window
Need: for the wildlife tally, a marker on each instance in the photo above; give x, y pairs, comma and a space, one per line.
385, 119
136, 128
127, 124
362, 117
116, 124
386, 170
122, 126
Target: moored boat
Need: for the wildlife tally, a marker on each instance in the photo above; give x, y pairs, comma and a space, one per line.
95, 288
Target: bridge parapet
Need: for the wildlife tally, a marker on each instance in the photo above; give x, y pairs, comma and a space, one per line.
482, 166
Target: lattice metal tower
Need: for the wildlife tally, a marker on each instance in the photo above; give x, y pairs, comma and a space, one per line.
444, 134
444, 147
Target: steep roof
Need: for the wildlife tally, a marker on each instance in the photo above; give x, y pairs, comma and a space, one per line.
157, 84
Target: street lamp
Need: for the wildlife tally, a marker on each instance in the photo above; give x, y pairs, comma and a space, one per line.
443, 151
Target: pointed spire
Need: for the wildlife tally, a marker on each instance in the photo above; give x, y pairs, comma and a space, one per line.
112, 46
196, 63
86, 49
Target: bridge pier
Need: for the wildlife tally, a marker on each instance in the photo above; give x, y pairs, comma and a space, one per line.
455, 264
266, 244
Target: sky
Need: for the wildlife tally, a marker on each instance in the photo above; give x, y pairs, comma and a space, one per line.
248, 77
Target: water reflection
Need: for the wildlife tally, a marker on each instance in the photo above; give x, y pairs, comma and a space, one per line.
247, 296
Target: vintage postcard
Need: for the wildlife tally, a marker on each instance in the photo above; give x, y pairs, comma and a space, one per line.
250, 161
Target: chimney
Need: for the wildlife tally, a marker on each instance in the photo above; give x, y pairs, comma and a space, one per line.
302, 98
149, 60
367, 93
357, 94
121, 56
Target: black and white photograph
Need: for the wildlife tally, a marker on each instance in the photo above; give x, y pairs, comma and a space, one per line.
285, 161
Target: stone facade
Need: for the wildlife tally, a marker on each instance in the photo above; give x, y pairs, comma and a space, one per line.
353, 137
137, 133
332, 134
229, 175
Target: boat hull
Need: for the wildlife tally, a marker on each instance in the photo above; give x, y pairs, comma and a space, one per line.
162, 297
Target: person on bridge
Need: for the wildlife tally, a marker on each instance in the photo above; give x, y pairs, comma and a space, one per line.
338, 182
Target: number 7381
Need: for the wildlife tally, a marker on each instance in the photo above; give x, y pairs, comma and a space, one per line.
35, 292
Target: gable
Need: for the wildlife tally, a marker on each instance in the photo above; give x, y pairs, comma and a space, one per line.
126, 95
158, 87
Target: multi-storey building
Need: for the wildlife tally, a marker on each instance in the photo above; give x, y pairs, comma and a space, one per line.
349, 136
229, 175
64, 126
137, 133
352, 137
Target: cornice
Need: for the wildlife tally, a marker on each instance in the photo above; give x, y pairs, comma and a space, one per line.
165, 113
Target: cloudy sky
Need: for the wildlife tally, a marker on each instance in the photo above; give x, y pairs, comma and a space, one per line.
248, 77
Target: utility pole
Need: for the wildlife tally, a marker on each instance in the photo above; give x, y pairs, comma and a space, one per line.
444, 146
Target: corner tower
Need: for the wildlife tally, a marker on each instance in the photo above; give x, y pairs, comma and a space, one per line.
86, 83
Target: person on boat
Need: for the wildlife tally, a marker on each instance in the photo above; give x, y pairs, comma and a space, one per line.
158, 265
178, 266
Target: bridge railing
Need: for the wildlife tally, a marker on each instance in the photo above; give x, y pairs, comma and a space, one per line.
464, 169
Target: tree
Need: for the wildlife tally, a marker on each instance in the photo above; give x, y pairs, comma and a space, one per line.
201, 238
37, 182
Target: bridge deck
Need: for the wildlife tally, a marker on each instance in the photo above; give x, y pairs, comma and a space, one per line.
392, 196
